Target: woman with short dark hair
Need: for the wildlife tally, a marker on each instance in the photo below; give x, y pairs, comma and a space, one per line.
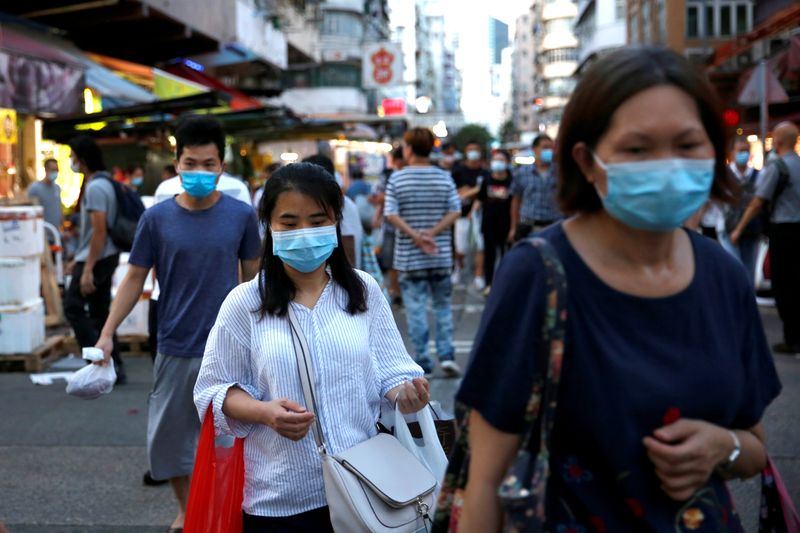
666, 372
249, 373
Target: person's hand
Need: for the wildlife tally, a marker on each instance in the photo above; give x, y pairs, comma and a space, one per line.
105, 343
289, 419
735, 236
68, 268
87, 282
424, 241
412, 395
685, 454
512, 234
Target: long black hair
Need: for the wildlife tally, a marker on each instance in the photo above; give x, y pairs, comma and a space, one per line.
274, 285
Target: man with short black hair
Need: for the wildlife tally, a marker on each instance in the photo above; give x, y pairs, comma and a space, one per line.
533, 203
468, 177
198, 242
88, 296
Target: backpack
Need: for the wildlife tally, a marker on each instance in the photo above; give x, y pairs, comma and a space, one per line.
783, 182
366, 211
129, 211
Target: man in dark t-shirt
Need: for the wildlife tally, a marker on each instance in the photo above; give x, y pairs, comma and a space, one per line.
197, 242
468, 177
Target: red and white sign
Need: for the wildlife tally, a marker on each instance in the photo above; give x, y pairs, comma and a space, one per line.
382, 65
393, 106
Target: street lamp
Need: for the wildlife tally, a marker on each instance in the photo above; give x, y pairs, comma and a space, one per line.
440, 129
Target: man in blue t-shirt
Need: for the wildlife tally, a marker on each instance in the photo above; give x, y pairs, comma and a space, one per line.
196, 242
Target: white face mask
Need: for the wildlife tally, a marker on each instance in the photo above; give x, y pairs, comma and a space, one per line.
75, 166
473, 155
497, 165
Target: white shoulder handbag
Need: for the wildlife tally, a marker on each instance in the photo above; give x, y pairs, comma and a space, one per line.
376, 486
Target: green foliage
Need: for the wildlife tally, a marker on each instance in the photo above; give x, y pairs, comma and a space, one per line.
508, 132
472, 132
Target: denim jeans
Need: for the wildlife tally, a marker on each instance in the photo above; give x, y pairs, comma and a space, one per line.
746, 250
418, 286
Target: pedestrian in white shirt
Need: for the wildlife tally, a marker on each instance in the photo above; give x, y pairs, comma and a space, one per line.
249, 373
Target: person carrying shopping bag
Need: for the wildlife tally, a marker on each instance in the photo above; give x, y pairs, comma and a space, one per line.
664, 373
308, 309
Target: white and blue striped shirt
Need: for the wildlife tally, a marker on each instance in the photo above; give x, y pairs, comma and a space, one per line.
357, 359
421, 196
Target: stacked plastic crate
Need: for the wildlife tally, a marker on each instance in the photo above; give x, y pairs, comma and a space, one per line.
22, 327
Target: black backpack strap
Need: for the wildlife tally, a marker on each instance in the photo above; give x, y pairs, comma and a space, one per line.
783, 179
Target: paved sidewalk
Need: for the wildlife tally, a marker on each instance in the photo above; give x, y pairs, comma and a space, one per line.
72, 466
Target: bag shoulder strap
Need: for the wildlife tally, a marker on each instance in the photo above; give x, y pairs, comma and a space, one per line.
306, 373
540, 412
783, 178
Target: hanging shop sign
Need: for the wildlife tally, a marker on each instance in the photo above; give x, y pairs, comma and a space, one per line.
8, 126
382, 65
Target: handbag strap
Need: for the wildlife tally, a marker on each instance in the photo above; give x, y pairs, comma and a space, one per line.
541, 409
305, 370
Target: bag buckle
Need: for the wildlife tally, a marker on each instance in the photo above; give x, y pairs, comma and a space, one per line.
422, 507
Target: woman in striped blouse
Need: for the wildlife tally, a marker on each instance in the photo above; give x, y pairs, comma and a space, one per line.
249, 374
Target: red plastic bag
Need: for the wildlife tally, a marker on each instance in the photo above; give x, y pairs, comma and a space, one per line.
215, 497
778, 513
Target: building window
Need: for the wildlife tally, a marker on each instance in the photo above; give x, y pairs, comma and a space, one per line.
619, 9
725, 20
558, 25
342, 23
709, 26
741, 19
692, 22
559, 55
559, 86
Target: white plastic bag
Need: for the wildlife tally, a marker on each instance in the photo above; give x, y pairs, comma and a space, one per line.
92, 381
428, 449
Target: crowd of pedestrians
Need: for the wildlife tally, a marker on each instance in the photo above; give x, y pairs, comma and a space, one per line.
663, 337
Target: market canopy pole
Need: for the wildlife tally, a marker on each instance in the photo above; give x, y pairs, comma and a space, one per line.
762, 89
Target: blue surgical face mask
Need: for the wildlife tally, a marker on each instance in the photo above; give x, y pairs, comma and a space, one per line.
657, 194
497, 165
742, 158
52, 176
473, 155
546, 156
198, 183
137, 181
305, 250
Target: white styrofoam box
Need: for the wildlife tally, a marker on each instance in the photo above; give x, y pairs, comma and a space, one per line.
21, 231
136, 322
122, 271
21, 327
20, 280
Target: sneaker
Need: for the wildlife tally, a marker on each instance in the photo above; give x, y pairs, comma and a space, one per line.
451, 369
455, 277
487, 290
785, 348
479, 284
148, 480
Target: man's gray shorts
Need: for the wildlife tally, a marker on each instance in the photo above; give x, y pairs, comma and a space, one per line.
173, 425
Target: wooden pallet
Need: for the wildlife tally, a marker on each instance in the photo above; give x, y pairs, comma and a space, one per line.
134, 344
50, 351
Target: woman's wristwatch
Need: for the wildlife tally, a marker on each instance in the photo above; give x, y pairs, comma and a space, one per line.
737, 451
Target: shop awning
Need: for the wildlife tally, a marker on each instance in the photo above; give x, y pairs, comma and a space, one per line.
128, 29
114, 90
239, 100
37, 77
142, 119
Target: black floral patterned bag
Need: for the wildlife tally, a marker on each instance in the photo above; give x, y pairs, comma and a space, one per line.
523, 489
